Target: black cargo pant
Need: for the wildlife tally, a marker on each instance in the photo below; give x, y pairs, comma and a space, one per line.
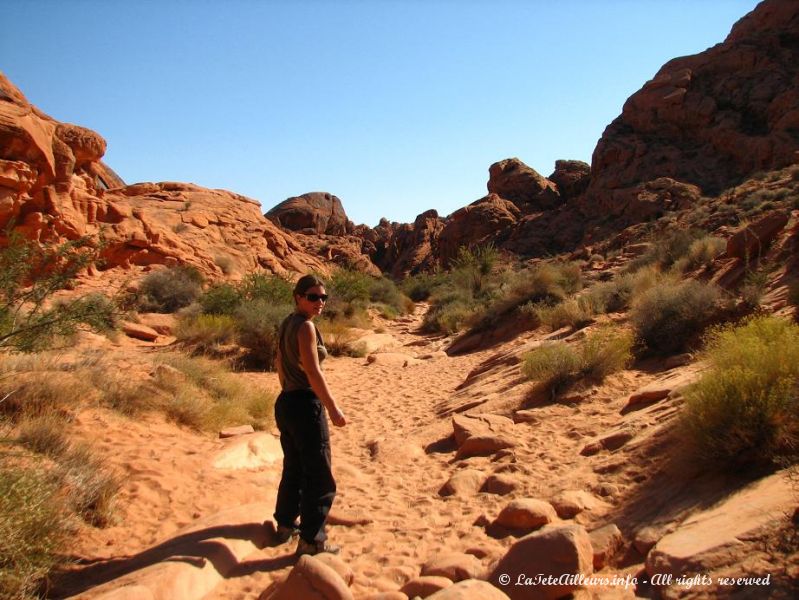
307, 487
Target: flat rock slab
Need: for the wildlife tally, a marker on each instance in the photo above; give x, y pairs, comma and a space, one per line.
715, 537
188, 565
249, 452
139, 331
376, 341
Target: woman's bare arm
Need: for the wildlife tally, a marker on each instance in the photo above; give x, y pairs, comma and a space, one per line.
306, 338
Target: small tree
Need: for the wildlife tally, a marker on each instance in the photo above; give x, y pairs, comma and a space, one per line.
30, 275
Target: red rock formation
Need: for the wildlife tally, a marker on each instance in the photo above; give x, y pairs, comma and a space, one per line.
54, 187
487, 220
515, 181
712, 118
571, 178
406, 249
316, 212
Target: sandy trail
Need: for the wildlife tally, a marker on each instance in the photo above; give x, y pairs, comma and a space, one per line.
382, 470
390, 462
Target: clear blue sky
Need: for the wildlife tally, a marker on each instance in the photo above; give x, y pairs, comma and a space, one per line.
394, 106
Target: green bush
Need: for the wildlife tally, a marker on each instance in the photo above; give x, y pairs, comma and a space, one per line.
220, 299
271, 289
667, 316
167, 290
350, 287
744, 409
385, 292
555, 365
569, 313
472, 268
29, 276
257, 324
420, 287
33, 529
450, 310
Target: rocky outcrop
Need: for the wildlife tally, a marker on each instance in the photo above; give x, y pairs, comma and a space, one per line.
313, 213
406, 249
571, 178
54, 187
513, 180
487, 220
709, 119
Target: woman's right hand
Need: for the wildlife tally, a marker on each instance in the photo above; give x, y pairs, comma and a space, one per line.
337, 417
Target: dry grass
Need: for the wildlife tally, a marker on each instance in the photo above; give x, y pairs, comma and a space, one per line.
558, 365
33, 528
744, 410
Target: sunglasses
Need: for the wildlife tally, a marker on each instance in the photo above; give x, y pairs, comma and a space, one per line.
316, 297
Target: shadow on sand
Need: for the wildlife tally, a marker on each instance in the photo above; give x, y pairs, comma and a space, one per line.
196, 548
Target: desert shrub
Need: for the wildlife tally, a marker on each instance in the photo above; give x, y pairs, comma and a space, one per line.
669, 248
206, 331
703, 251
339, 338
125, 396
570, 313
557, 365
42, 393
350, 287
668, 315
605, 351
29, 276
167, 290
45, 435
554, 365
208, 396
753, 288
471, 268
420, 287
271, 289
91, 488
33, 529
257, 324
450, 309
220, 299
385, 293
744, 409
569, 276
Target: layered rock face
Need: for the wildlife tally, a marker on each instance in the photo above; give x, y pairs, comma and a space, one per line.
708, 119
54, 187
313, 213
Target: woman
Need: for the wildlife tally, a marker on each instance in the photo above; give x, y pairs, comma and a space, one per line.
307, 487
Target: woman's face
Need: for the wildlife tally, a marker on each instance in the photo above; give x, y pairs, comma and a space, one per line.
312, 302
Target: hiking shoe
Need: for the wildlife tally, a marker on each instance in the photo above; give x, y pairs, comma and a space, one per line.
284, 534
312, 548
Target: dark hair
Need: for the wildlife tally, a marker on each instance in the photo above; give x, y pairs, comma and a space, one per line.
305, 283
